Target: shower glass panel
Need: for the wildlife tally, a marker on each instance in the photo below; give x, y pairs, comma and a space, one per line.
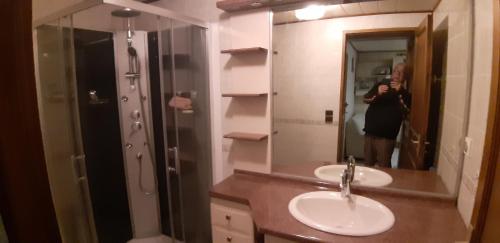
124, 104
60, 129
186, 119
192, 129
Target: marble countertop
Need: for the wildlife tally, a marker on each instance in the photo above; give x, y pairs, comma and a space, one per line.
418, 219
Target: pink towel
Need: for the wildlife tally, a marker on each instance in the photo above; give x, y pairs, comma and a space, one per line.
180, 103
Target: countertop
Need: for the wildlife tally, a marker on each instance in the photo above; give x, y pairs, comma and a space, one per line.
414, 180
417, 219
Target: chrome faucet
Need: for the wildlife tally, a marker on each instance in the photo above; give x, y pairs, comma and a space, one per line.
347, 177
345, 184
351, 166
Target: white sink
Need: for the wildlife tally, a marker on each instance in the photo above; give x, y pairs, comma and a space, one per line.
328, 211
364, 176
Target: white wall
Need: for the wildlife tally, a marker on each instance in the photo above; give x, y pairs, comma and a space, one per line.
351, 69
315, 55
43, 8
368, 61
247, 73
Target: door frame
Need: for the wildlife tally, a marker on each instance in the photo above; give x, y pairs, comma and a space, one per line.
381, 32
25, 199
491, 150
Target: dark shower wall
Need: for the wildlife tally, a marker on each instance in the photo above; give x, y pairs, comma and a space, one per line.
156, 108
95, 70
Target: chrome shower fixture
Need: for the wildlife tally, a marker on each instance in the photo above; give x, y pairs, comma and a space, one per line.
127, 13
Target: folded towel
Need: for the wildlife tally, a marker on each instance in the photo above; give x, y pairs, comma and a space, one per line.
180, 103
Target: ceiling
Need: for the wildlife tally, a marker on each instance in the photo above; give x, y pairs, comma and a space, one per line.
364, 8
387, 44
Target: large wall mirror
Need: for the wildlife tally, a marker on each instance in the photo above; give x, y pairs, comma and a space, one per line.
390, 91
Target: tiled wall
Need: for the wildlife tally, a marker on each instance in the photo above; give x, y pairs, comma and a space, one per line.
457, 14
317, 60
459, 20
481, 80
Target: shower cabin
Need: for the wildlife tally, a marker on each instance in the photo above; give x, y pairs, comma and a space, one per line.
123, 95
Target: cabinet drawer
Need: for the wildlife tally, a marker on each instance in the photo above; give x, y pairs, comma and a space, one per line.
221, 235
231, 216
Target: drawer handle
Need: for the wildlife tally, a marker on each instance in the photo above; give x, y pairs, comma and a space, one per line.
229, 239
228, 217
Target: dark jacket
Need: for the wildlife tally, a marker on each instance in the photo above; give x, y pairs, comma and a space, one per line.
386, 112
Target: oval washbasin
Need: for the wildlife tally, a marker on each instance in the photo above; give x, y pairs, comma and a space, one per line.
328, 211
364, 176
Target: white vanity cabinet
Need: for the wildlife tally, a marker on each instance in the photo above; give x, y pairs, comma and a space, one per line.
231, 222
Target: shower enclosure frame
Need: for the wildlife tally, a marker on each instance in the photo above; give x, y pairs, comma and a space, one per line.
141, 7
144, 8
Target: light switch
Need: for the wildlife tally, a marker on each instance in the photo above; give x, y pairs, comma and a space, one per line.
467, 147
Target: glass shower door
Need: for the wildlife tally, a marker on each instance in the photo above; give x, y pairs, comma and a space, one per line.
185, 92
59, 118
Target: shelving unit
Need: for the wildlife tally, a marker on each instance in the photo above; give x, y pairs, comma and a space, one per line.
244, 50
246, 136
244, 94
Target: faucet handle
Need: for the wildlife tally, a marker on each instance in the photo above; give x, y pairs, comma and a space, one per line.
345, 183
351, 160
351, 165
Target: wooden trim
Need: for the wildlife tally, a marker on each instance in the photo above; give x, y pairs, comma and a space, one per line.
244, 50
25, 199
242, 95
379, 51
491, 151
241, 5
435, 6
380, 32
246, 136
384, 32
355, 15
340, 139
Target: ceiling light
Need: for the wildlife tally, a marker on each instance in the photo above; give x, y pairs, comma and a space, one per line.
310, 12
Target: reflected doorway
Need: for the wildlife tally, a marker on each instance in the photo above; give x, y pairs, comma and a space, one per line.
370, 60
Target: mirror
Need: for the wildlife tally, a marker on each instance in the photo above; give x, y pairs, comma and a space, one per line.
390, 91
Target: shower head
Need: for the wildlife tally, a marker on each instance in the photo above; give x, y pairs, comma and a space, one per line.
125, 13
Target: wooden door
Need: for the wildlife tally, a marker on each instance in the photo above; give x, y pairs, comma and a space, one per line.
415, 127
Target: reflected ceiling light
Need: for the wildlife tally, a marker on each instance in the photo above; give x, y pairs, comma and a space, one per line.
256, 4
310, 12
